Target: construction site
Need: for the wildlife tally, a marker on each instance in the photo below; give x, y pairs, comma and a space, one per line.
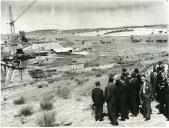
61, 66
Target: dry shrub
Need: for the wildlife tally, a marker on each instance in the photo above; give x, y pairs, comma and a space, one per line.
68, 124
46, 103
99, 75
19, 101
76, 79
71, 78
48, 96
26, 111
87, 91
64, 92
51, 81
47, 119
31, 83
42, 84
5, 99
78, 99
81, 81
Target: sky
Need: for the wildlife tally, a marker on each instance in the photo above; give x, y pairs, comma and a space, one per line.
71, 14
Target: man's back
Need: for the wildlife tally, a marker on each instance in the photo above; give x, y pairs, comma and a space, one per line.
167, 90
109, 92
134, 86
123, 90
113, 93
160, 68
97, 96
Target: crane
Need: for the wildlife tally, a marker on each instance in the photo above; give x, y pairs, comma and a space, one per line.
16, 60
12, 23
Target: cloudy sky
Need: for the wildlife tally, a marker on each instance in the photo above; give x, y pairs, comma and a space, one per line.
70, 14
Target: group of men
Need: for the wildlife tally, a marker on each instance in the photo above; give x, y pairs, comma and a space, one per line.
133, 94
159, 82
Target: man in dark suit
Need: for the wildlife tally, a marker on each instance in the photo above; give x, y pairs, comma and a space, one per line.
123, 98
146, 95
124, 73
111, 95
134, 87
98, 99
136, 73
153, 81
107, 94
167, 101
160, 70
160, 67
162, 88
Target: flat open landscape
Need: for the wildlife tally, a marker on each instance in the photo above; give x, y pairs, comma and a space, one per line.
69, 91
53, 52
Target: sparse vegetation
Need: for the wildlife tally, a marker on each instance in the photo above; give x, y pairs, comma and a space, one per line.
81, 81
74, 83
5, 99
46, 103
71, 78
19, 101
99, 75
51, 81
86, 92
47, 119
64, 92
42, 84
78, 99
26, 111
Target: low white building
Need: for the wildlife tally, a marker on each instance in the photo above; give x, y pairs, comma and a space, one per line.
47, 47
71, 67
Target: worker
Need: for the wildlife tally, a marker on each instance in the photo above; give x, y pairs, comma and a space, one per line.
98, 99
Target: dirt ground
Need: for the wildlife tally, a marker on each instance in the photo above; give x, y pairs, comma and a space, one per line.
73, 111
75, 108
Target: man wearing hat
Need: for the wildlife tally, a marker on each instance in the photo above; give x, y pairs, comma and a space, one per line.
124, 73
167, 100
98, 99
123, 98
153, 81
134, 88
111, 94
160, 67
160, 70
162, 88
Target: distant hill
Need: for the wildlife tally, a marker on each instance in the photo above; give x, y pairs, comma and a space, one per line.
83, 30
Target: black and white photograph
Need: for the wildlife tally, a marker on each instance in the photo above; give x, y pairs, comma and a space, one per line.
84, 63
